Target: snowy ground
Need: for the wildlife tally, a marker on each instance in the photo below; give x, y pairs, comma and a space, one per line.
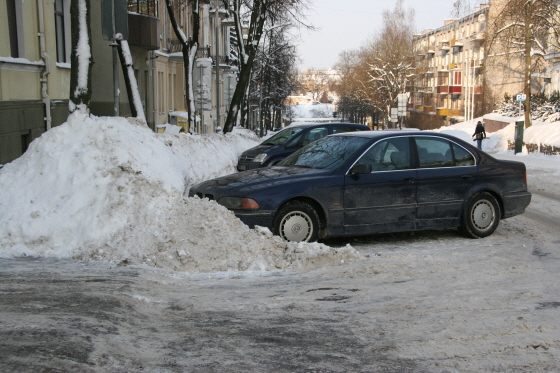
105, 267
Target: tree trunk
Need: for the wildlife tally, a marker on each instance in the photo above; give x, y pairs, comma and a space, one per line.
528, 60
124, 67
81, 57
189, 50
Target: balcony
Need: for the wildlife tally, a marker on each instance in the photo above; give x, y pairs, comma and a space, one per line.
477, 36
477, 64
225, 61
477, 90
431, 50
455, 89
175, 46
443, 89
143, 31
456, 44
454, 66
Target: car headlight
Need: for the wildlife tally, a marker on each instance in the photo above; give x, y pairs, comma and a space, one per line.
237, 203
260, 158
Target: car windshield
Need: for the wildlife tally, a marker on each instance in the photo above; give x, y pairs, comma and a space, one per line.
283, 136
327, 153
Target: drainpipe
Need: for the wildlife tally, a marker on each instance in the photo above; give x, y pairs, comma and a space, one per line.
154, 88
46, 59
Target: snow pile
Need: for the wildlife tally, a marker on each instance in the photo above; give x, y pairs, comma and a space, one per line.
111, 189
539, 133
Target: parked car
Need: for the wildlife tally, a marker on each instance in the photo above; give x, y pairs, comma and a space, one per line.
290, 139
376, 181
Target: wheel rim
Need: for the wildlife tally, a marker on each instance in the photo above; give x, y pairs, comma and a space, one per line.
483, 215
296, 226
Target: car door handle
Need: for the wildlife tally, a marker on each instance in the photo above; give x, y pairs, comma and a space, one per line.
464, 177
410, 180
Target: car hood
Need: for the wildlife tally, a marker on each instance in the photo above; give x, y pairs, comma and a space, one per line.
259, 149
257, 179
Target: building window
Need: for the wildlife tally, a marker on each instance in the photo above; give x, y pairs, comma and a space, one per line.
146, 7
456, 78
59, 17
13, 26
161, 93
443, 78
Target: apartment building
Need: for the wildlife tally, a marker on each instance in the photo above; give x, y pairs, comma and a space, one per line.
35, 66
449, 64
34, 71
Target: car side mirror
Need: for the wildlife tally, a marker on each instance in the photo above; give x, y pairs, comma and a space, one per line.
361, 169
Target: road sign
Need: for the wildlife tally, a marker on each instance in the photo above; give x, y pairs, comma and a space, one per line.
521, 97
402, 99
394, 114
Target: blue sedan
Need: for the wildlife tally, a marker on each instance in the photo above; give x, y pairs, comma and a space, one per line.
290, 139
376, 181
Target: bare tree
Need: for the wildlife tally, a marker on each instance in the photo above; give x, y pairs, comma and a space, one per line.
81, 57
354, 91
258, 13
390, 58
274, 77
189, 48
461, 8
522, 31
317, 82
131, 84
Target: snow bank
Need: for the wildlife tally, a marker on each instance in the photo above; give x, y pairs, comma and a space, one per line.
538, 133
111, 189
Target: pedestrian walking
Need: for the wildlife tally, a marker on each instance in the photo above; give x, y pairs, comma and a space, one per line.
479, 134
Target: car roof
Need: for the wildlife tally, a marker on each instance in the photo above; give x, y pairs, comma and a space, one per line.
383, 133
305, 125
391, 133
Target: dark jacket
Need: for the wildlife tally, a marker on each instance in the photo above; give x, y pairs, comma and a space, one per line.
479, 132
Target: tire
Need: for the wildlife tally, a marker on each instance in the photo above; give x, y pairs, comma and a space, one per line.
481, 216
297, 221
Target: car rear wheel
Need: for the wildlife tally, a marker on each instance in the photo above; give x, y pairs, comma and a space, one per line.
481, 216
297, 221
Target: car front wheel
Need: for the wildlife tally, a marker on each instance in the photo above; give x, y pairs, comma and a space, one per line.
297, 221
481, 216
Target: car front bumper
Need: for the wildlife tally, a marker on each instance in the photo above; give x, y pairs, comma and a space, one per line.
263, 218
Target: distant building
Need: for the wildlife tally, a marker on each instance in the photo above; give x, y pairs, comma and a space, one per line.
449, 67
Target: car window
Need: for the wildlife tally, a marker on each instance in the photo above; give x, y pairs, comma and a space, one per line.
462, 156
314, 134
283, 136
389, 154
326, 153
339, 129
291, 143
434, 152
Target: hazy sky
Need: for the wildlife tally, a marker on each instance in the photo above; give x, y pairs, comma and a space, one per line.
346, 25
